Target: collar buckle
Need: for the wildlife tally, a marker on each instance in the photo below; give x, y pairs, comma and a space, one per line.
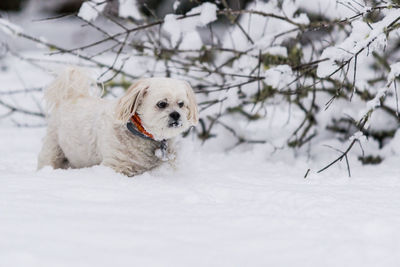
161, 152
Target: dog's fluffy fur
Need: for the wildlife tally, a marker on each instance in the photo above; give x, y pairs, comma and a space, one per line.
86, 130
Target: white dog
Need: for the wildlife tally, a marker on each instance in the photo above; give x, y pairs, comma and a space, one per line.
131, 135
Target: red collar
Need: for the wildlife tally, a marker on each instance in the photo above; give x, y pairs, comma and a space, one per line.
135, 119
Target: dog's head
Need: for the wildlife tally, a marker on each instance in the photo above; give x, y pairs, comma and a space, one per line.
166, 107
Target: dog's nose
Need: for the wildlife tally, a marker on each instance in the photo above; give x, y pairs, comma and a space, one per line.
175, 115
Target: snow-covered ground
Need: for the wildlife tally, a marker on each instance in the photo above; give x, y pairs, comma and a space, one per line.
249, 206
215, 209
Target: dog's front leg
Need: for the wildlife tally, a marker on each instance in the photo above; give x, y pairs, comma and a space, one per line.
122, 167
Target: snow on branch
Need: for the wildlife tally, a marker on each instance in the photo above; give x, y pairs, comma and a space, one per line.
9, 28
91, 9
129, 9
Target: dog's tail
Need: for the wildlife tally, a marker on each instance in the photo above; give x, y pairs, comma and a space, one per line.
71, 84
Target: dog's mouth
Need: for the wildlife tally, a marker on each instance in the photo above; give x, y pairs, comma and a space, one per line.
175, 124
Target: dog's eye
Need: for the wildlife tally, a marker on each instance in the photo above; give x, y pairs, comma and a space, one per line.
180, 104
162, 104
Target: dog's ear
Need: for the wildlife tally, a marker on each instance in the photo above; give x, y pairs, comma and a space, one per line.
128, 103
193, 115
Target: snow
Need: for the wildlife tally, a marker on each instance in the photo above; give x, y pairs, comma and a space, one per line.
9, 28
177, 29
276, 50
364, 38
176, 4
129, 8
171, 25
191, 40
380, 123
375, 102
394, 71
90, 9
262, 30
208, 13
220, 205
249, 206
279, 76
215, 209
332, 9
358, 136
